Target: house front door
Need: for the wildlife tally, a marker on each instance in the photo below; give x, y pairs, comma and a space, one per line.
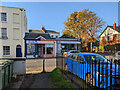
18, 51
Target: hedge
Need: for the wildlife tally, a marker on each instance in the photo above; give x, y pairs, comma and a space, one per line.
112, 47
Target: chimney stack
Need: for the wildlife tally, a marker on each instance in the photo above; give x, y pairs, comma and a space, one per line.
43, 28
114, 25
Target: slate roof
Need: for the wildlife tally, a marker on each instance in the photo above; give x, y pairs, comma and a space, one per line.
36, 31
51, 31
35, 35
40, 31
66, 36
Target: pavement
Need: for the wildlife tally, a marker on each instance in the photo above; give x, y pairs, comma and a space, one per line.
36, 65
15, 83
34, 81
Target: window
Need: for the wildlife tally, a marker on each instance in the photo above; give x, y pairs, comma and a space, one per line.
30, 49
4, 33
92, 58
49, 48
6, 50
111, 37
51, 35
73, 57
74, 52
3, 17
118, 53
80, 58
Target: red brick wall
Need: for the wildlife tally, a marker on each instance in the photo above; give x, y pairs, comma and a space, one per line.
112, 42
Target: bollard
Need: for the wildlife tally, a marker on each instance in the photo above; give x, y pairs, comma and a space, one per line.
43, 65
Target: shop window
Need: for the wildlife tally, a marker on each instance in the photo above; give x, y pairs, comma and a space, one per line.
30, 49
49, 48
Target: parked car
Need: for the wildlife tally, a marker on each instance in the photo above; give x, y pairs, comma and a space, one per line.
69, 52
117, 56
84, 66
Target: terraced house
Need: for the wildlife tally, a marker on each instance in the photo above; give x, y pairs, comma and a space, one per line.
13, 24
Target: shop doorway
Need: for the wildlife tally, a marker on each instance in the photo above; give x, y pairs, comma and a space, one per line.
39, 51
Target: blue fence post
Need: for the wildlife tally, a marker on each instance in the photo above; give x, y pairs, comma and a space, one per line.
111, 74
99, 74
92, 73
95, 73
115, 75
102, 73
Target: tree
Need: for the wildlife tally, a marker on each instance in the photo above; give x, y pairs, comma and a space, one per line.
85, 25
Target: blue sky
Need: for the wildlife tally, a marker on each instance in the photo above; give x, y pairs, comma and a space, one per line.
52, 15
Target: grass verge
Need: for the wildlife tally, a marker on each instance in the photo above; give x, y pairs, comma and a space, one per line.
59, 80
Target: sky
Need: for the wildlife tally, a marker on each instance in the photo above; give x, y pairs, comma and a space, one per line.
52, 15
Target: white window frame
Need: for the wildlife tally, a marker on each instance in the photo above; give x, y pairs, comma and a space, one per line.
111, 38
4, 33
6, 50
3, 17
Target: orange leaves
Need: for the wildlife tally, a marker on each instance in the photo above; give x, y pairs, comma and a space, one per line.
84, 24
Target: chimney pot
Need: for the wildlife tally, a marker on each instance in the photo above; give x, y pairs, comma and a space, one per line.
43, 28
114, 25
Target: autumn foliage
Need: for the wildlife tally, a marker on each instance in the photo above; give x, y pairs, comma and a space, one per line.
84, 24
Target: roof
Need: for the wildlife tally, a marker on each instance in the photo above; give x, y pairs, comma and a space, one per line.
13, 7
117, 29
41, 31
51, 31
36, 31
66, 36
35, 35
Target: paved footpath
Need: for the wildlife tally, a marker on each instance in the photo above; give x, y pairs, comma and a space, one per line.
37, 81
